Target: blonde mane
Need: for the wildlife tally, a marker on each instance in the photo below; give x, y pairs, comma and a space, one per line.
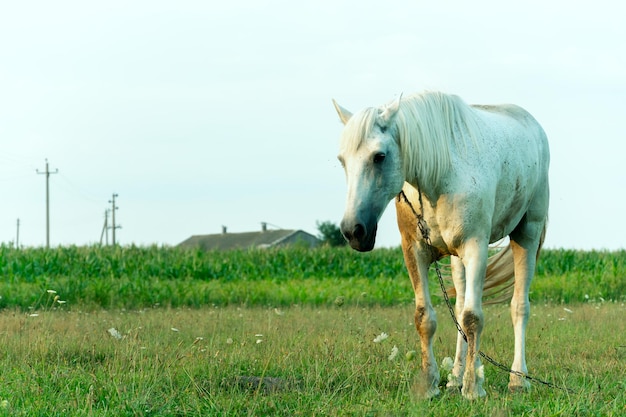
425, 126
358, 128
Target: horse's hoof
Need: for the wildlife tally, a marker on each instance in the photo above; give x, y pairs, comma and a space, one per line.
427, 394
454, 384
424, 392
453, 389
433, 392
519, 387
475, 394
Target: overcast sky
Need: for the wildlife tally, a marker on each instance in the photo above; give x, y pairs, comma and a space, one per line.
203, 113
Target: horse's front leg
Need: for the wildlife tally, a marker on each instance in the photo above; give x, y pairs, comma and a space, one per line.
417, 264
475, 261
455, 378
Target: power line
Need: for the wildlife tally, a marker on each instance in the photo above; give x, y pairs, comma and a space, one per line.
47, 173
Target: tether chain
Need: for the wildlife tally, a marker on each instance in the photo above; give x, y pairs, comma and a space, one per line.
423, 228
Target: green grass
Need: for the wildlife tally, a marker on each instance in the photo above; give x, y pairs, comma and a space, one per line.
578, 276
191, 322
140, 277
319, 360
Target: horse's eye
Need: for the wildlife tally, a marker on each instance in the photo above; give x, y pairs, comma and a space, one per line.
379, 157
383, 129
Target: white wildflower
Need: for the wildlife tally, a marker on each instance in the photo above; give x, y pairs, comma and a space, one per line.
259, 341
34, 315
114, 333
51, 291
381, 337
394, 353
567, 310
174, 329
446, 364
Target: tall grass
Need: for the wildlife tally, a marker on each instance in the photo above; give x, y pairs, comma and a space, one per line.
136, 277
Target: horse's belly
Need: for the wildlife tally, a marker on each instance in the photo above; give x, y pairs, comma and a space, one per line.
511, 203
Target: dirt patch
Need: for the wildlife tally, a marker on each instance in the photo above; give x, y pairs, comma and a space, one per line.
266, 385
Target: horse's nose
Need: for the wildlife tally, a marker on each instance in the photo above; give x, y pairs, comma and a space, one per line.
351, 233
361, 236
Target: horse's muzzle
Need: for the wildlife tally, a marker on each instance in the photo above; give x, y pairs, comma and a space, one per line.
360, 237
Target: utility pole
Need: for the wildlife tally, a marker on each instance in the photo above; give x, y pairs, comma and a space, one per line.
17, 236
113, 225
47, 174
105, 228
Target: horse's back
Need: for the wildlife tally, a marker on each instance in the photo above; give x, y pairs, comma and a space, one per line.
514, 134
512, 111
514, 115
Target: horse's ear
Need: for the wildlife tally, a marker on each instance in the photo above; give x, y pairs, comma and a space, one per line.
344, 115
390, 110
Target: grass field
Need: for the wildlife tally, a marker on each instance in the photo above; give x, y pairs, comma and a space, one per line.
157, 331
294, 361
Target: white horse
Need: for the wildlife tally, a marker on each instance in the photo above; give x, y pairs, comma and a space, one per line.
476, 174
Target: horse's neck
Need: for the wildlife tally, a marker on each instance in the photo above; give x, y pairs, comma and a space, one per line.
424, 192
432, 191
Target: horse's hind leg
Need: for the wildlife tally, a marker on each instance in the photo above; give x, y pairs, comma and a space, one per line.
455, 378
425, 318
526, 242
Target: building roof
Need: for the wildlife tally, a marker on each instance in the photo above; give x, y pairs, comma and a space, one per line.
260, 239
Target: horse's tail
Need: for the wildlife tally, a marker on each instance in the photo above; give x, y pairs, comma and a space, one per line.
500, 276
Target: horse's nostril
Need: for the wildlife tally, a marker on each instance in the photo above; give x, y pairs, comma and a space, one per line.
358, 231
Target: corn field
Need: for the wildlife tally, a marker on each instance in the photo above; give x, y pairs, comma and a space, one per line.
138, 277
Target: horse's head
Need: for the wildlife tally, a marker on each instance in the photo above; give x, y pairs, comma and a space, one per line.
370, 156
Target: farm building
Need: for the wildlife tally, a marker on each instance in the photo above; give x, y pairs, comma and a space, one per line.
264, 238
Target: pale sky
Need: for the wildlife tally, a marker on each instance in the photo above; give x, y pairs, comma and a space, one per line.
201, 113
